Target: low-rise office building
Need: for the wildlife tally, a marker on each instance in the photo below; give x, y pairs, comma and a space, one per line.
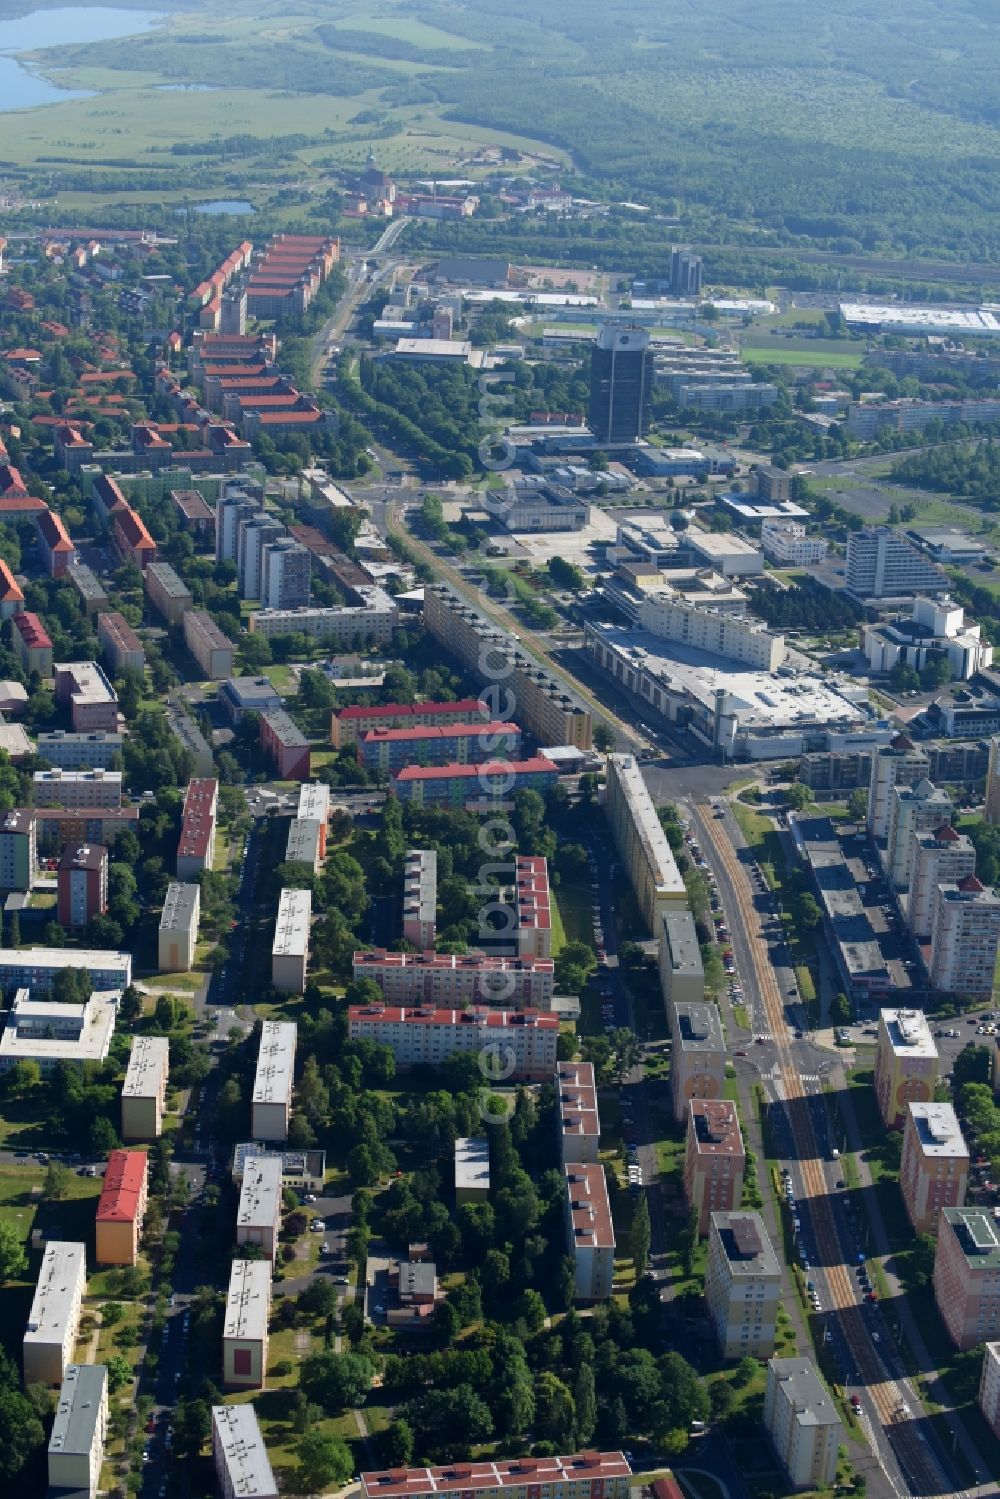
258, 1218
472, 1170
302, 1170
242, 1468
241, 695
682, 973
196, 846
178, 933
290, 949
802, 1422
79, 1431
525, 1041
144, 1091
967, 1275
698, 1056
714, 1159
82, 884
68, 751
167, 592
934, 1169
245, 1330
122, 1207
906, 1063
458, 978
420, 898
742, 1284
579, 1119
586, 1475
211, 647
54, 1319
787, 543
641, 841
271, 1105
123, 650
47, 1033
590, 1232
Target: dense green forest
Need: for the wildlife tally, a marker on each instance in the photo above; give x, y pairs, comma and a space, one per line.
967, 470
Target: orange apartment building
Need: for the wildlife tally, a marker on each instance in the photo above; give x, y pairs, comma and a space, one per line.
906, 1063
934, 1171
585, 1475
122, 1207
714, 1159
698, 1058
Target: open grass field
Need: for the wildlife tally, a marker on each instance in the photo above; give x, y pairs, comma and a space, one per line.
785, 352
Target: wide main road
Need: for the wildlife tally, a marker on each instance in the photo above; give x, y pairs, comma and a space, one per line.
906, 1450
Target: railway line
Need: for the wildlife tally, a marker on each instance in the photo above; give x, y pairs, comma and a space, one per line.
903, 1449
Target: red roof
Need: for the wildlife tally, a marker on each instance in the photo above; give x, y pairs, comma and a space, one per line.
467, 707
10, 480
437, 731
132, 530
53, 533
20, 355
10, 591
198, 821
124, 1181
535, 766
477, 1015
31, 631
21, 504
971, 885
946, 834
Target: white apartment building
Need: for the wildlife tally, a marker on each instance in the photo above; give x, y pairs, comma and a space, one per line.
245, 1330
714, 631
900, 763
285, 572
933, 627
144, 1091
271, 1106
178, 934
590, 1233
79, 1431
420, 898
290, 950
579, 1119
77, 788
458, 979
35, 967
523, 1042
242, 1468
42, 1031
802, 1422
881, 565
913, 809
964, 938
940, 857
472, 1169
989, 1387
304, 844
371, 623
54, 1319
786, 542
742, 1284
641, 841
71, 751
934, 1169
258, 1217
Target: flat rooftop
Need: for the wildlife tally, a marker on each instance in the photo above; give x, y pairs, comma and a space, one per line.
275, 1062
55, 1292
472, 1163
577, 1091
698, 1027
938, 1131
248, 1301
314, 801
147, 1066
260, 1193
681, 944
716, 1127
237, 1435
291, 931
802, 1387
79, 1409
589, 1208
180, 907
908, 1032
647, 825
747, 1247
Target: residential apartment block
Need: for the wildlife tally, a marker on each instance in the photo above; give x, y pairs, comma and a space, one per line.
258, 1218
271, 1105
546, 709
714, 1159
934, 1170
458, 979
787, 543
389, 750
77, 788
167, 592
698, 1057
82, 884
178, 933
83, 687
906, 1063
54, 1319
900, 763
211, 648
242, 1468
590, 1232
478, 788
940, 857
682, 973
122, 648
34, 968
523, 1041
31, 643
989, 1387
290, 949
579, 1119
586, 1475
742, 1285
349, 725
122, 1207
420, 898
965, 938
144, 1091
967, 1275
472, 1170
881, 565
912, 809
285, 745
79, 1431
245, 1330
802, 1422
304, 844
18, 850
96, 751
533, 906
196, 847
641, 841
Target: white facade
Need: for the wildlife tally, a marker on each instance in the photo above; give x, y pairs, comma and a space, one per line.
742, 1285
900, 763
54, 1319
241, 1463
940, 857
145, 1088
39, 1030
271, 1106
934, 627
76, 1446
965, 937
290, 950
258, 1218
913, 809
802, 1422
989, 1387
727, 554
458, 979
590, 1234
713, 630
523, 1041
881, 565
178, 934
786, 542
245, 1330
35, 967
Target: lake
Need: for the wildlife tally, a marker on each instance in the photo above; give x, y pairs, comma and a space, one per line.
224, 205
21, 89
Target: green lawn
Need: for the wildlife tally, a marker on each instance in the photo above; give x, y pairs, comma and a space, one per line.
815, 359
574, 919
